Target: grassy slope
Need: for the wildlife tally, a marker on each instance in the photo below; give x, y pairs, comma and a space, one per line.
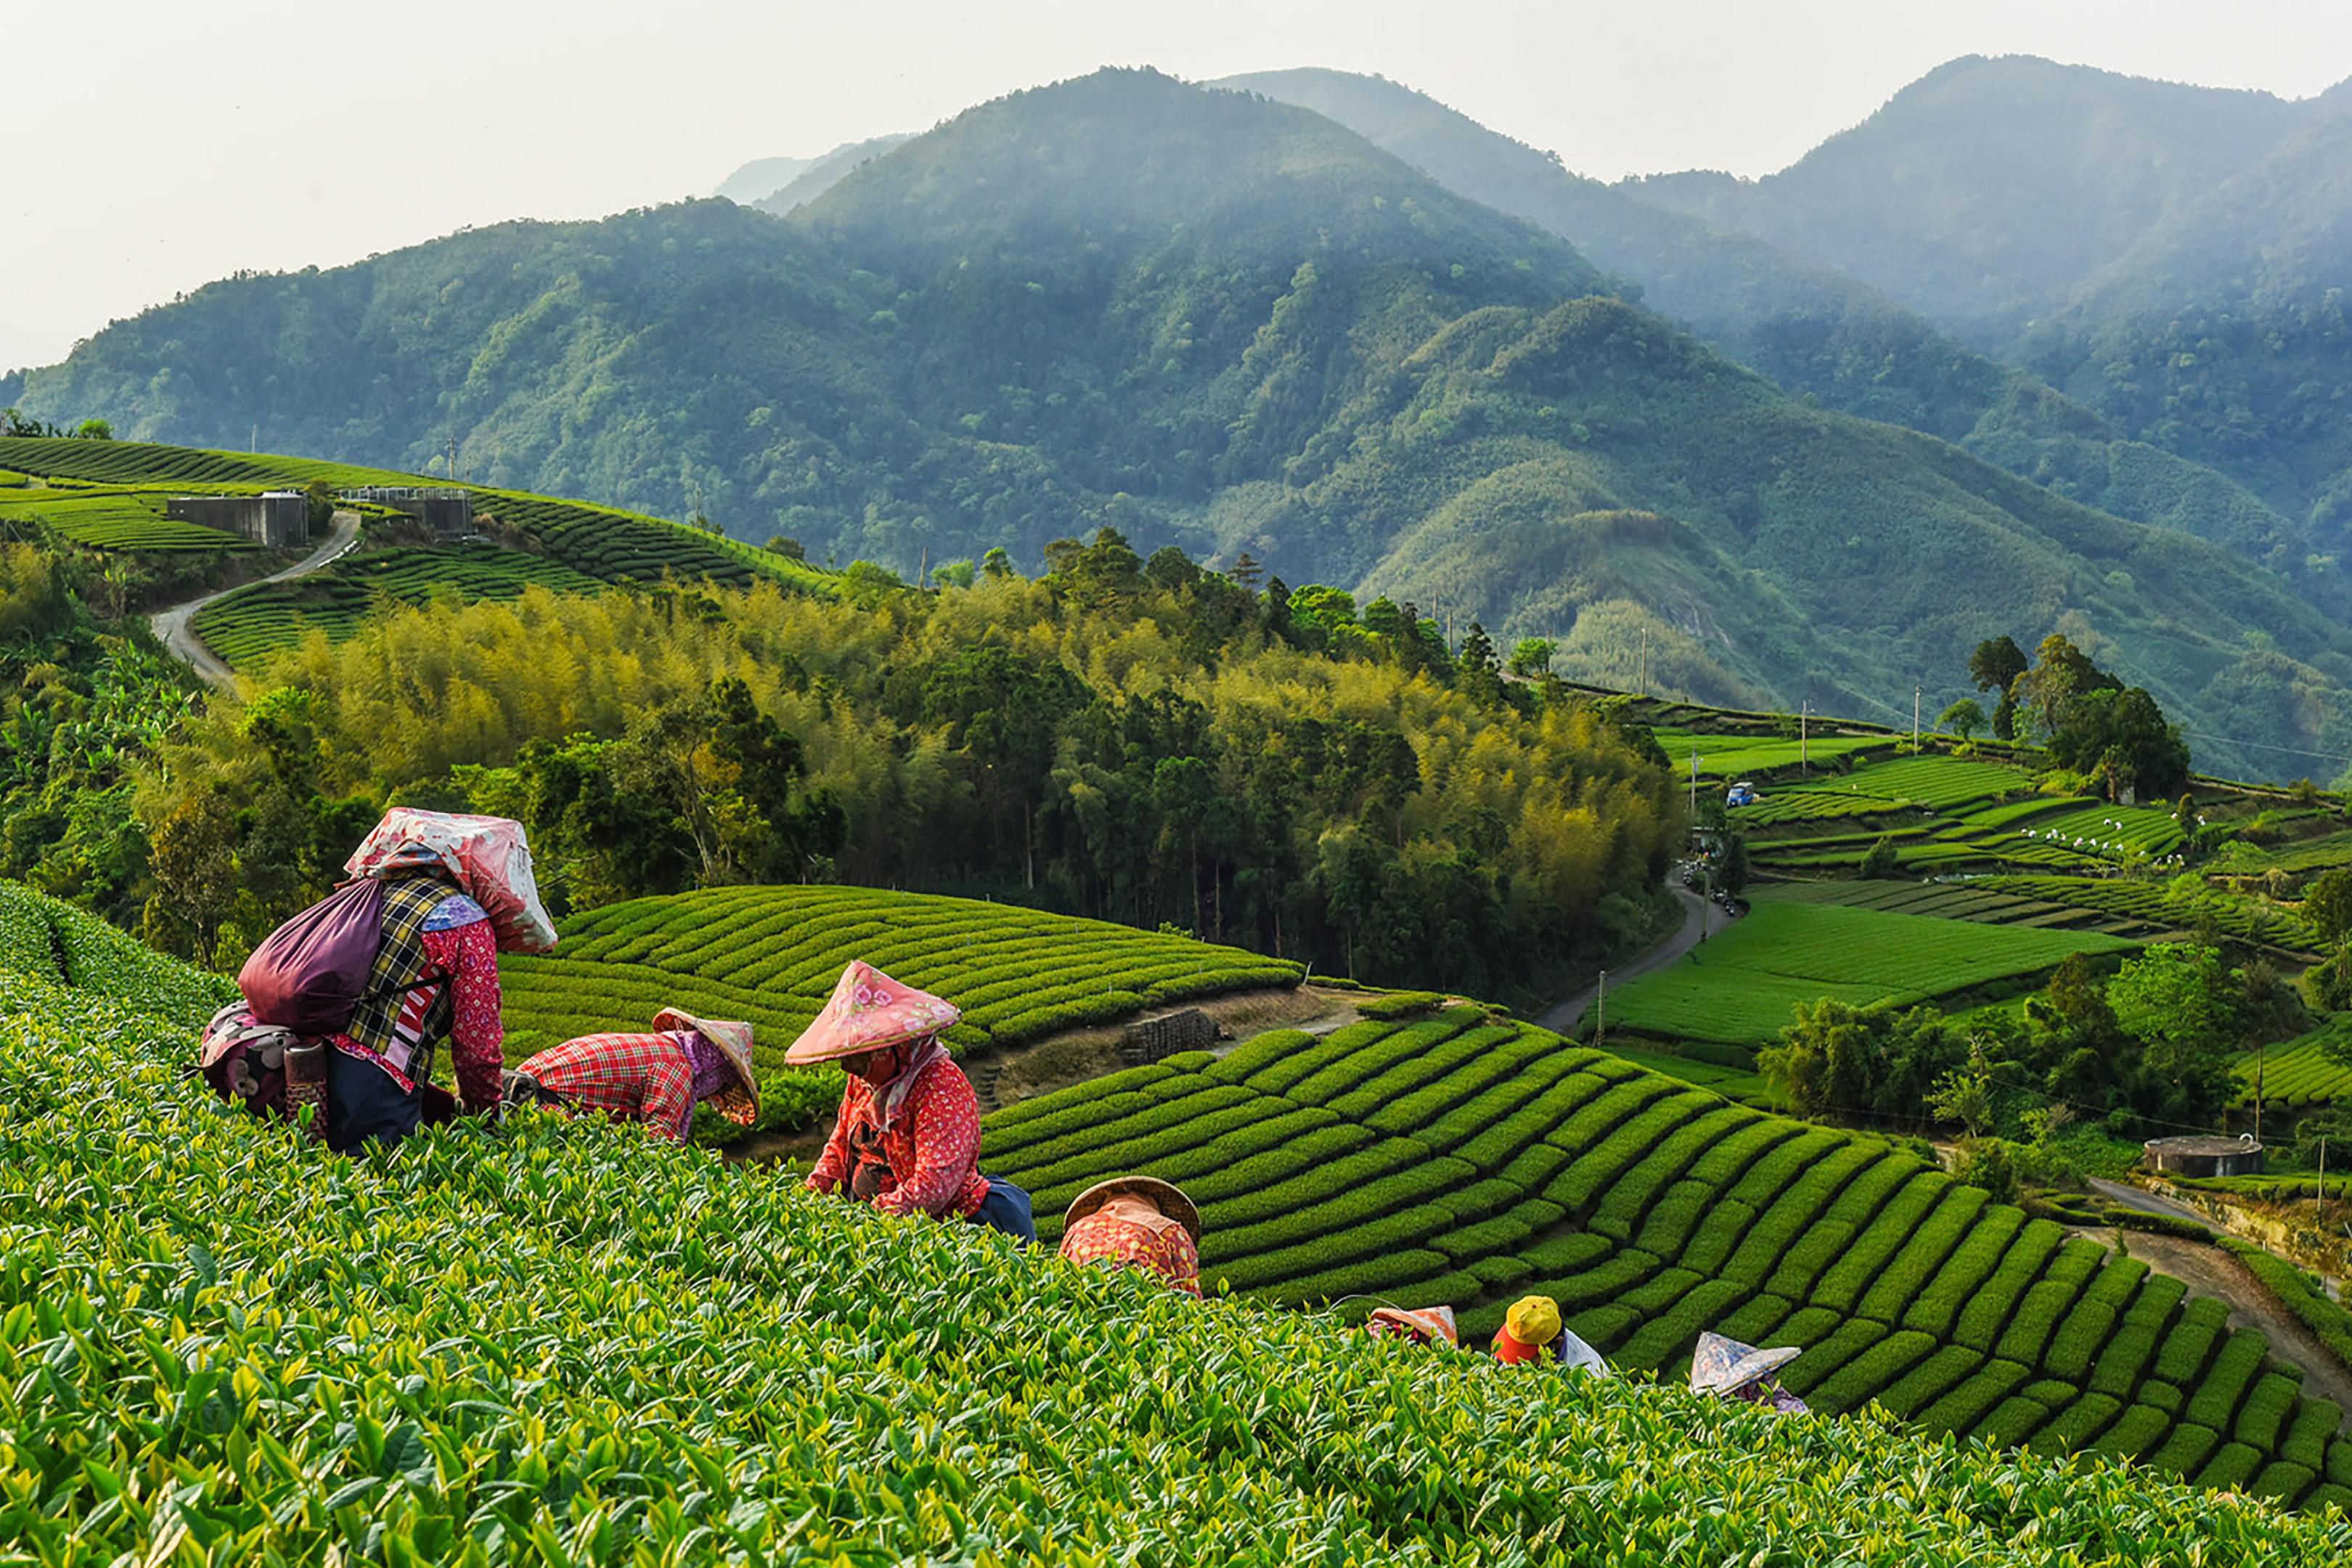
568, 1345
1739, 988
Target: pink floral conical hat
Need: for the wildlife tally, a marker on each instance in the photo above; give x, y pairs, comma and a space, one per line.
868, 1011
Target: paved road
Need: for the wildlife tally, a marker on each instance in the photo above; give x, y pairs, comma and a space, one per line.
1697, 915
172, 626
2127, 1196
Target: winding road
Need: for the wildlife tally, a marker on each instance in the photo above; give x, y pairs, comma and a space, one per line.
1698, 917
173, 628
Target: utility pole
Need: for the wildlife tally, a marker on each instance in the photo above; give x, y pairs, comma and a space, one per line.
1915, 720
1693, 806
1805, 712
2319, 1195
1600, 1025
1646, 659
253, 442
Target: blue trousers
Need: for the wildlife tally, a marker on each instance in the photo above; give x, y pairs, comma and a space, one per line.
1006, 1208
363, 1102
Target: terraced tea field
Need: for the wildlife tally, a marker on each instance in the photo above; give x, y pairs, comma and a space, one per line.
597, 541
2301, 1072
251, 624
771, 955
126, 520
1728, 757
1741, 987
610, 1351
1468, 1161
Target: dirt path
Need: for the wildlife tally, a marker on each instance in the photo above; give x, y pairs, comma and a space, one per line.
2208, 1270
173, 629
2145, 1201
1561, 1017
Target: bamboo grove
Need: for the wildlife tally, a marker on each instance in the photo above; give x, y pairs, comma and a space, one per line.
1145, 742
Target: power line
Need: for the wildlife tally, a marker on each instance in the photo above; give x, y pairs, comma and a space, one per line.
2266, 746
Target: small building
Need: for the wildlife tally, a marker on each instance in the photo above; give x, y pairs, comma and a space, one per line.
280, 518
449, 512
2205, 1156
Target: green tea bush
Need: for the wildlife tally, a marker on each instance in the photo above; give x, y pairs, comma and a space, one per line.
1398, 1004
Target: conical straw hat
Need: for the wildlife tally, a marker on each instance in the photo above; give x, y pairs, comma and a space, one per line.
868, 1011
740, 1104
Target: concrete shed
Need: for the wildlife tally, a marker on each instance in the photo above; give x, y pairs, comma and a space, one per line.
2205, 1156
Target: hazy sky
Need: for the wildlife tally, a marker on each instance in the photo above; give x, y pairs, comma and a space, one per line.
159, 145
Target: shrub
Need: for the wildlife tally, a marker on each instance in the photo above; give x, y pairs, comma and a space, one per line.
1398, 1004
2283, 1482
1931, 1380
2261, 1420
1502, 1275
1260, 1052
2233, 1465
1960, 1410
2133, 1345
2186, 1451
1874, 1370
2181, 1361
2134, 1430
1987, 1313
2214, 1402
2170, 1225
2078, 1426
2012, 1421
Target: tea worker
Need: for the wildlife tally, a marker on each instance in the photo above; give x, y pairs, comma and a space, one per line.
654, 1078
1532, 1331
1419, 1325
1137, 1222
1731, 1370
907, 1138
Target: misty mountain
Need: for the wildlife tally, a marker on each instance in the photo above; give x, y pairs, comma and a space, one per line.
823, 173
761, 177
1213, 320
2223, 331
1815, 330
1982, 193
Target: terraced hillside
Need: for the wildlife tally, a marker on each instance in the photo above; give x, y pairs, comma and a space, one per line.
771, 955
110, 495
246, 627
593, 1329
1468, 1161
115, 518
1741, 987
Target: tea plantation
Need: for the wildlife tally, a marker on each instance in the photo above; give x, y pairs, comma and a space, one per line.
117, 519
249, 625
593, 542
1465, 1161
1740, 987
566, 1344
771, 955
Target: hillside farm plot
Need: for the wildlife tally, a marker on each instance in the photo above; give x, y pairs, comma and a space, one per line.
769, 955
251, 624
2163, 906
601, 543
1461, 1161
300, 1431
1728, 757
1739, 988
2316, 1070
1939, 782
130, 521
2111, 832
1812, 804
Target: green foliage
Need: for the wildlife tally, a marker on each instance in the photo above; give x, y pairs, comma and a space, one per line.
994, 1318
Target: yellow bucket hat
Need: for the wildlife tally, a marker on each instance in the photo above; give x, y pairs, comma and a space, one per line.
1532, 1323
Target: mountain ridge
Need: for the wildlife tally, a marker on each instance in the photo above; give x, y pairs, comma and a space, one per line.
1229, 324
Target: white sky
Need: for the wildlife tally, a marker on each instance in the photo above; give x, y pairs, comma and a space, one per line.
158, 145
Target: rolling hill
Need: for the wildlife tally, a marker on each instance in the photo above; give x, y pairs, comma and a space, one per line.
1209, 318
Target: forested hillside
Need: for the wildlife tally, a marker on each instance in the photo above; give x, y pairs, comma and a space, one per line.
1815, 330
2169, 257
1208, 319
